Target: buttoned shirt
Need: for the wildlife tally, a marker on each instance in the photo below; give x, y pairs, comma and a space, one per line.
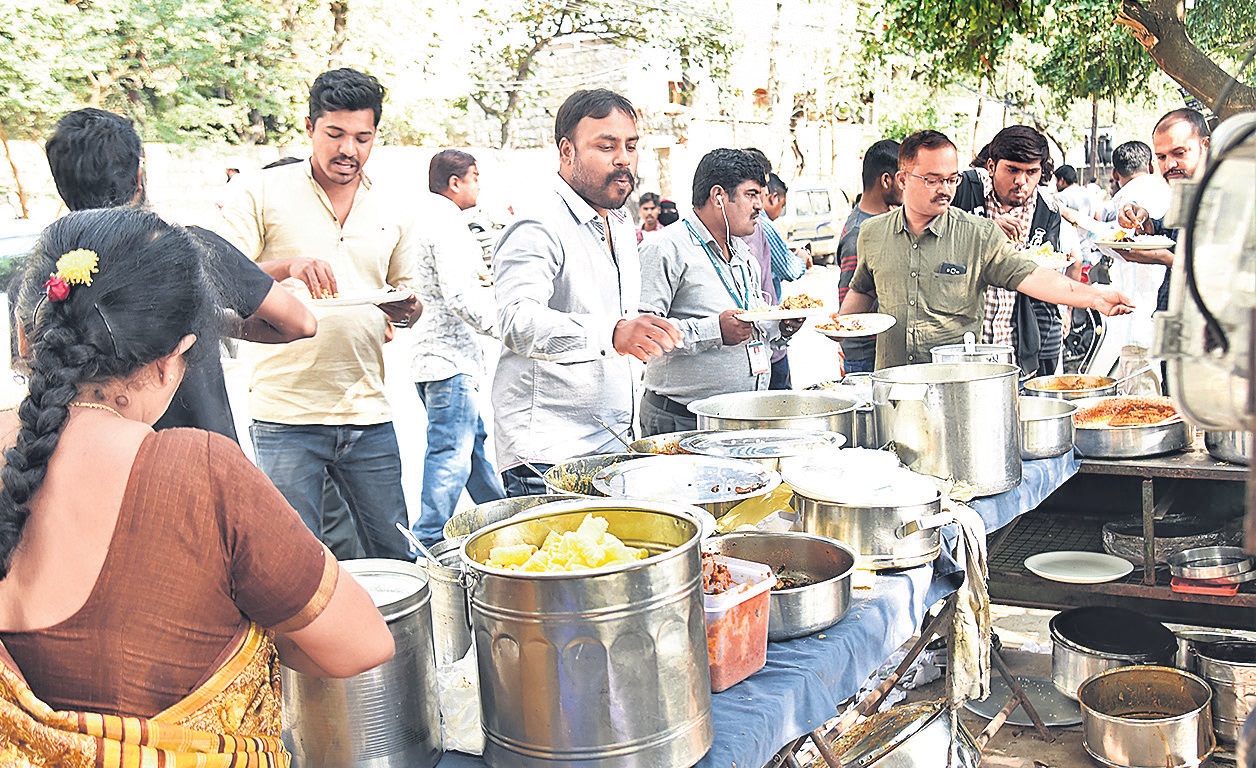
684, 277
561, 289
337, 376
456, 307
933, 284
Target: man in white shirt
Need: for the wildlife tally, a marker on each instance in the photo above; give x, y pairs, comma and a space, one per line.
446, 353
568, 286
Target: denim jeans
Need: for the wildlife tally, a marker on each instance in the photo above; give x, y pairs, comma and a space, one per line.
364, 462
780, 374
859, 366
522, 481
455, 455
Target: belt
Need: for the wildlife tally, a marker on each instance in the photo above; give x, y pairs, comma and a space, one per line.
666, 404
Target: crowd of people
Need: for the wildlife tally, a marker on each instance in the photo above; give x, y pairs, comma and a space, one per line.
150, 573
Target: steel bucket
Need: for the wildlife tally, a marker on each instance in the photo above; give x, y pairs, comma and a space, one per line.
388, 717
1230, 668
482, 515
1147, 717
451, 621
953, 421
605, 668
778, 410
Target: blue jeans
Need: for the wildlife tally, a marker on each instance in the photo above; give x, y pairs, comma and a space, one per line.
455, 455
365, 463
521, 481
859, 366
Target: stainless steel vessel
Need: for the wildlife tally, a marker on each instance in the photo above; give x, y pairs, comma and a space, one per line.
388, 717
978, 353
451, 622
1091, 640
481, 515
667, 443
1147, 717
952, 420
576, 476
1230, 668
1129, 442
1234, 447
920, 735
1070, 386
604, 668
777, 409
1046, 427
824, 564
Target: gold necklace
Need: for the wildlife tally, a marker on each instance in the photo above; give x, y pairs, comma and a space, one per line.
99, 407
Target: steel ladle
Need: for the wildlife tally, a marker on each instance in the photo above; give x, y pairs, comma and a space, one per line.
414, 542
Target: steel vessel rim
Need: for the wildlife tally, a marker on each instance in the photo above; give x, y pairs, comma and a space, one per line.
884, 375
1151, 722
802, 535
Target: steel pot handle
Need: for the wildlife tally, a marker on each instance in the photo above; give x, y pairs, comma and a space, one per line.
907, 391
926, 523
467, 578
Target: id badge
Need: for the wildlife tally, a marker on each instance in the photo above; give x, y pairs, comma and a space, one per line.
760, 360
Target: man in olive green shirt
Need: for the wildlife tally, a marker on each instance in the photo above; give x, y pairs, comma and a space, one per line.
929, 264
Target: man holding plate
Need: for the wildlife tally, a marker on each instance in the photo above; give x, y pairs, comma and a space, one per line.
318, 405
702, 276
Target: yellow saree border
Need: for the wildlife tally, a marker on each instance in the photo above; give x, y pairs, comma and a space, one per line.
207, 729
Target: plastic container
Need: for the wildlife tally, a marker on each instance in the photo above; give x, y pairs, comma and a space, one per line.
737, 623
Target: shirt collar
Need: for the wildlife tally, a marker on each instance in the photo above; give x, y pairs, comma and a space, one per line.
937, 226
736, 245
308, 165
579, 207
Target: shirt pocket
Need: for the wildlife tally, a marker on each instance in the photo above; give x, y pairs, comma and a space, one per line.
950, 294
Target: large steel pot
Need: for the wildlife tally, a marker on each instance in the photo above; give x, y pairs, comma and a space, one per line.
1070, 386
775, 409
952, 420
977, 353
1046, 427
479, 516
1234, 447
1147, 717
451, 621
388, 717
1129, 442
824, 564
857, 387
920, 735
1087, 641
576, 476
604, 668
1230, 668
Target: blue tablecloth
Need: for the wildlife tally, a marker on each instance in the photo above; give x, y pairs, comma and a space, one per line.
805, 679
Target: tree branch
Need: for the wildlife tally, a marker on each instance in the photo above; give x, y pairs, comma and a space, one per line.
1160, 27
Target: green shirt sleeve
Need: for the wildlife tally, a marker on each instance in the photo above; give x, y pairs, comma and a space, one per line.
862, 281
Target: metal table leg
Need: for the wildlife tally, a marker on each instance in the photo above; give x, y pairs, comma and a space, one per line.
1149, 533
1018, 694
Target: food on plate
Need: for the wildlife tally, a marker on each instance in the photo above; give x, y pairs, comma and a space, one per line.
716, 579
1047, 256
844, 323
589, 546
1126, 412
801, 301
791, 582
302, 291
1127, 236
1068, 383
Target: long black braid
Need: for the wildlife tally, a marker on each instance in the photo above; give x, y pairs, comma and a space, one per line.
147, 295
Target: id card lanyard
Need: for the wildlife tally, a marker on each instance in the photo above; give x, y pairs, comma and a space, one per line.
756, 351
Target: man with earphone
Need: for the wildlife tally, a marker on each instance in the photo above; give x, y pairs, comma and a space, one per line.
699, 274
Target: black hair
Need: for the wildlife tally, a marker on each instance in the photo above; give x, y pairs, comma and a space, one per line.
881, 158
1197, 122
1022, 144
345, 90
95, 159
597, 104
648, 197
760, 158
1067, 174
1130, 157
447, 163
726, 168
919, 140
146, 295
776, 186
281, 162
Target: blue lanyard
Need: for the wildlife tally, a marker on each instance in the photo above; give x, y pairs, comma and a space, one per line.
743, 301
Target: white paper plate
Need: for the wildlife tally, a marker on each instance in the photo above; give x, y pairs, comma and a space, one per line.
1145, 243
1076, 567
872, 322
382, 296
1054, 261
776, 313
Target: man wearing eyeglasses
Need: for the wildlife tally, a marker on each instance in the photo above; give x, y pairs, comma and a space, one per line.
929, 264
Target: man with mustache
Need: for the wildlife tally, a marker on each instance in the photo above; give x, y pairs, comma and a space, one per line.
568, 287
318, 404
928, 264
701, 275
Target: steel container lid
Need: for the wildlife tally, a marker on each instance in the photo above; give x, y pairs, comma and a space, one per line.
944, 373
762, 443
687, 479
398, 588
1114, 632
864, 480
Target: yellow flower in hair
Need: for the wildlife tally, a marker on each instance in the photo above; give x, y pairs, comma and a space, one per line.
78, 266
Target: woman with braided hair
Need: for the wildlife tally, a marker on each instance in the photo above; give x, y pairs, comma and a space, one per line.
146, 578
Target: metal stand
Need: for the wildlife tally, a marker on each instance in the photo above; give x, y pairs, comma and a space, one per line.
1017, 699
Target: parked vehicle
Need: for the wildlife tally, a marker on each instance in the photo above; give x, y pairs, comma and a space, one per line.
814, 215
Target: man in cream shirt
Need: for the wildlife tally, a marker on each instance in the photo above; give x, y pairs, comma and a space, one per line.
318, 405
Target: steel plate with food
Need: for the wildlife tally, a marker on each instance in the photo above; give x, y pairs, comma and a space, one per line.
798, 307
857, 325
1125, 427
1070, 386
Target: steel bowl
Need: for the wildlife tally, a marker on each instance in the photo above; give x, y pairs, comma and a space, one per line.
824, 564
777, 410
1057, 387
482, 515
1129, 442
667, 443
1046, 427
576, 475
1234, 447
1147, 717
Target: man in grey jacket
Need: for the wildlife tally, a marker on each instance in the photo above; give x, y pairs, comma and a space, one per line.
568, 287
